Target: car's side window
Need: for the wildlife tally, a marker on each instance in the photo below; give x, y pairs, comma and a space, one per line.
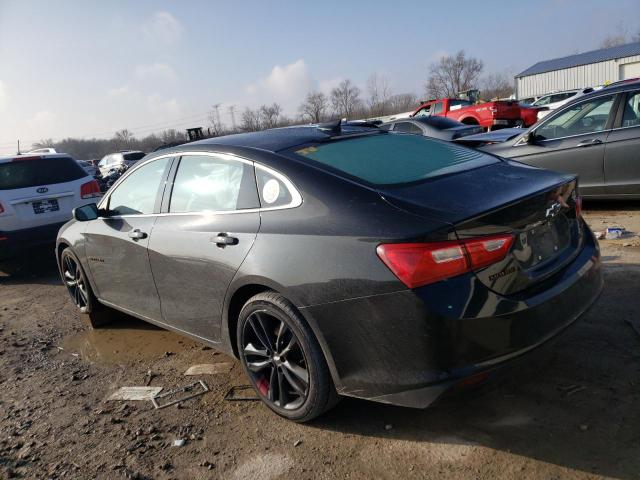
438, 107
273, 191
631, 113
212, 183
581, 118
137, 193
386, 127
404, 127
423, 112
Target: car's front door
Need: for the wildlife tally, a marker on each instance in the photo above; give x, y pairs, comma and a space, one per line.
622, 152
210, 222
573, 140
116, 243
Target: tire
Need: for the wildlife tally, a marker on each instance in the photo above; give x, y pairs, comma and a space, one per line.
276, 349
75, 279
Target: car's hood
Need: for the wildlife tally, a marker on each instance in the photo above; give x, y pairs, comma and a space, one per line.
497, 136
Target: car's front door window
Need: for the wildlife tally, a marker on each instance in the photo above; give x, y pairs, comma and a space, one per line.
138, 192
581, 118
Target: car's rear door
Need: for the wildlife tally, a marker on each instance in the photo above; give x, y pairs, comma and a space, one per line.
573, 141
622, 152
116, 243
210, 220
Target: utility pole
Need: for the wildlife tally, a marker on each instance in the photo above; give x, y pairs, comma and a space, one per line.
18, 146
232, 112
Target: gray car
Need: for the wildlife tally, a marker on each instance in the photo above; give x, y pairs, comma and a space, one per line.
436, 127
596, 137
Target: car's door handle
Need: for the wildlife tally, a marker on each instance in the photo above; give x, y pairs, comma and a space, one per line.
223, 239
137, 234
590, 142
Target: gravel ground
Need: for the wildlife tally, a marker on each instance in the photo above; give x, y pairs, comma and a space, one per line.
572, 410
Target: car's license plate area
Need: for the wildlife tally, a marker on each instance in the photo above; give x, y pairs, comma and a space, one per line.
547, 240
45, 206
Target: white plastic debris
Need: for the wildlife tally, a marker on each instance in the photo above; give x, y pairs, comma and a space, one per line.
135, 393
179, 442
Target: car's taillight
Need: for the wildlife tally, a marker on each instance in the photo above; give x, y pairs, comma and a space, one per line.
417, 264
90, 189
578, 202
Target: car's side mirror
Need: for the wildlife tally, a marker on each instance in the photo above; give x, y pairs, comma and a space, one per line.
86, 213
529, 138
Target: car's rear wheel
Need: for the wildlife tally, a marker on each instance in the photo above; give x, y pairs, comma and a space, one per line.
283, 359
80, 291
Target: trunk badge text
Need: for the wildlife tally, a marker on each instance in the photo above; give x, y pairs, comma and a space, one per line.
42, 190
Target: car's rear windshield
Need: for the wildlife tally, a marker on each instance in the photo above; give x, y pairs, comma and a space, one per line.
392, 159
133, 157
37, 172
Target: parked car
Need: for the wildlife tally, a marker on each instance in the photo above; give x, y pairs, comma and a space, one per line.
547, 103
490, 115
336, 260
437, 127
596, 136
111, 161
89, 167
37, 195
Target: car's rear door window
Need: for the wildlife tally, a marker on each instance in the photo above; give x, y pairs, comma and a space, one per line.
391, 159
581, 118
631, 113
212, 183
35, 172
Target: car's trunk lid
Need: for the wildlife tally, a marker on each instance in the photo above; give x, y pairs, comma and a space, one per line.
536, 206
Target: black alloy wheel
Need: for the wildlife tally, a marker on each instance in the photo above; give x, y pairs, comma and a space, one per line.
276, 361
283, 359
75, 281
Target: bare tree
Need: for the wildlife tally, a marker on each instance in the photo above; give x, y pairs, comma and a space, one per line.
314, 107
496, 85
402, 103
250, 121
452, 74
44, 143
614, 40
345, 99
379, 94
171, 136
123, 138
270, 115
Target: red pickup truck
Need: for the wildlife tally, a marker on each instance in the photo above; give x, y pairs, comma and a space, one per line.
489, 114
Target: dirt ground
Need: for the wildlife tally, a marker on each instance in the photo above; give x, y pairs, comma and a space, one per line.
572, 410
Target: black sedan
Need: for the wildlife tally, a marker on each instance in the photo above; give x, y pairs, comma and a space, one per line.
339, 260
437, 127
596, 136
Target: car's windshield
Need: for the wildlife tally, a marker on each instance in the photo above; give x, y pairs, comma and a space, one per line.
392, 159
40, 171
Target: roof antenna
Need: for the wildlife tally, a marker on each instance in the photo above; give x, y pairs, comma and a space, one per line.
331, 127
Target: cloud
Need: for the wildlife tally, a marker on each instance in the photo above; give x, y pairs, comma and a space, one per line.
157, 104
286, 84
163, 28
119, 92
329, 84
156, 71
3, 96
42, 118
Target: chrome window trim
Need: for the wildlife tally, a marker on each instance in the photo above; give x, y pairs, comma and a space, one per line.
296, 198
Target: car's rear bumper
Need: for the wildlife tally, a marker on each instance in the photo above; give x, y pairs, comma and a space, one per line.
15, 242
405, 348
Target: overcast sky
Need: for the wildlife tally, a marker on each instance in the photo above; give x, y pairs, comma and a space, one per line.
88, 68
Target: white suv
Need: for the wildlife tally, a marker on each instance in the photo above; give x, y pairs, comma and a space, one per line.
37, 196
113, 160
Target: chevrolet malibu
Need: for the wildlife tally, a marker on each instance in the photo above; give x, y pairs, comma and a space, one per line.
339, 261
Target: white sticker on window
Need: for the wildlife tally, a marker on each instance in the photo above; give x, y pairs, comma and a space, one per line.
271, 191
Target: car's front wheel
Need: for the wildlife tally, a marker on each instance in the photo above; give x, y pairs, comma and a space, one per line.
283, 359
80, 290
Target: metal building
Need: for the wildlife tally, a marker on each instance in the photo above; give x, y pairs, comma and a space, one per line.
587, 69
